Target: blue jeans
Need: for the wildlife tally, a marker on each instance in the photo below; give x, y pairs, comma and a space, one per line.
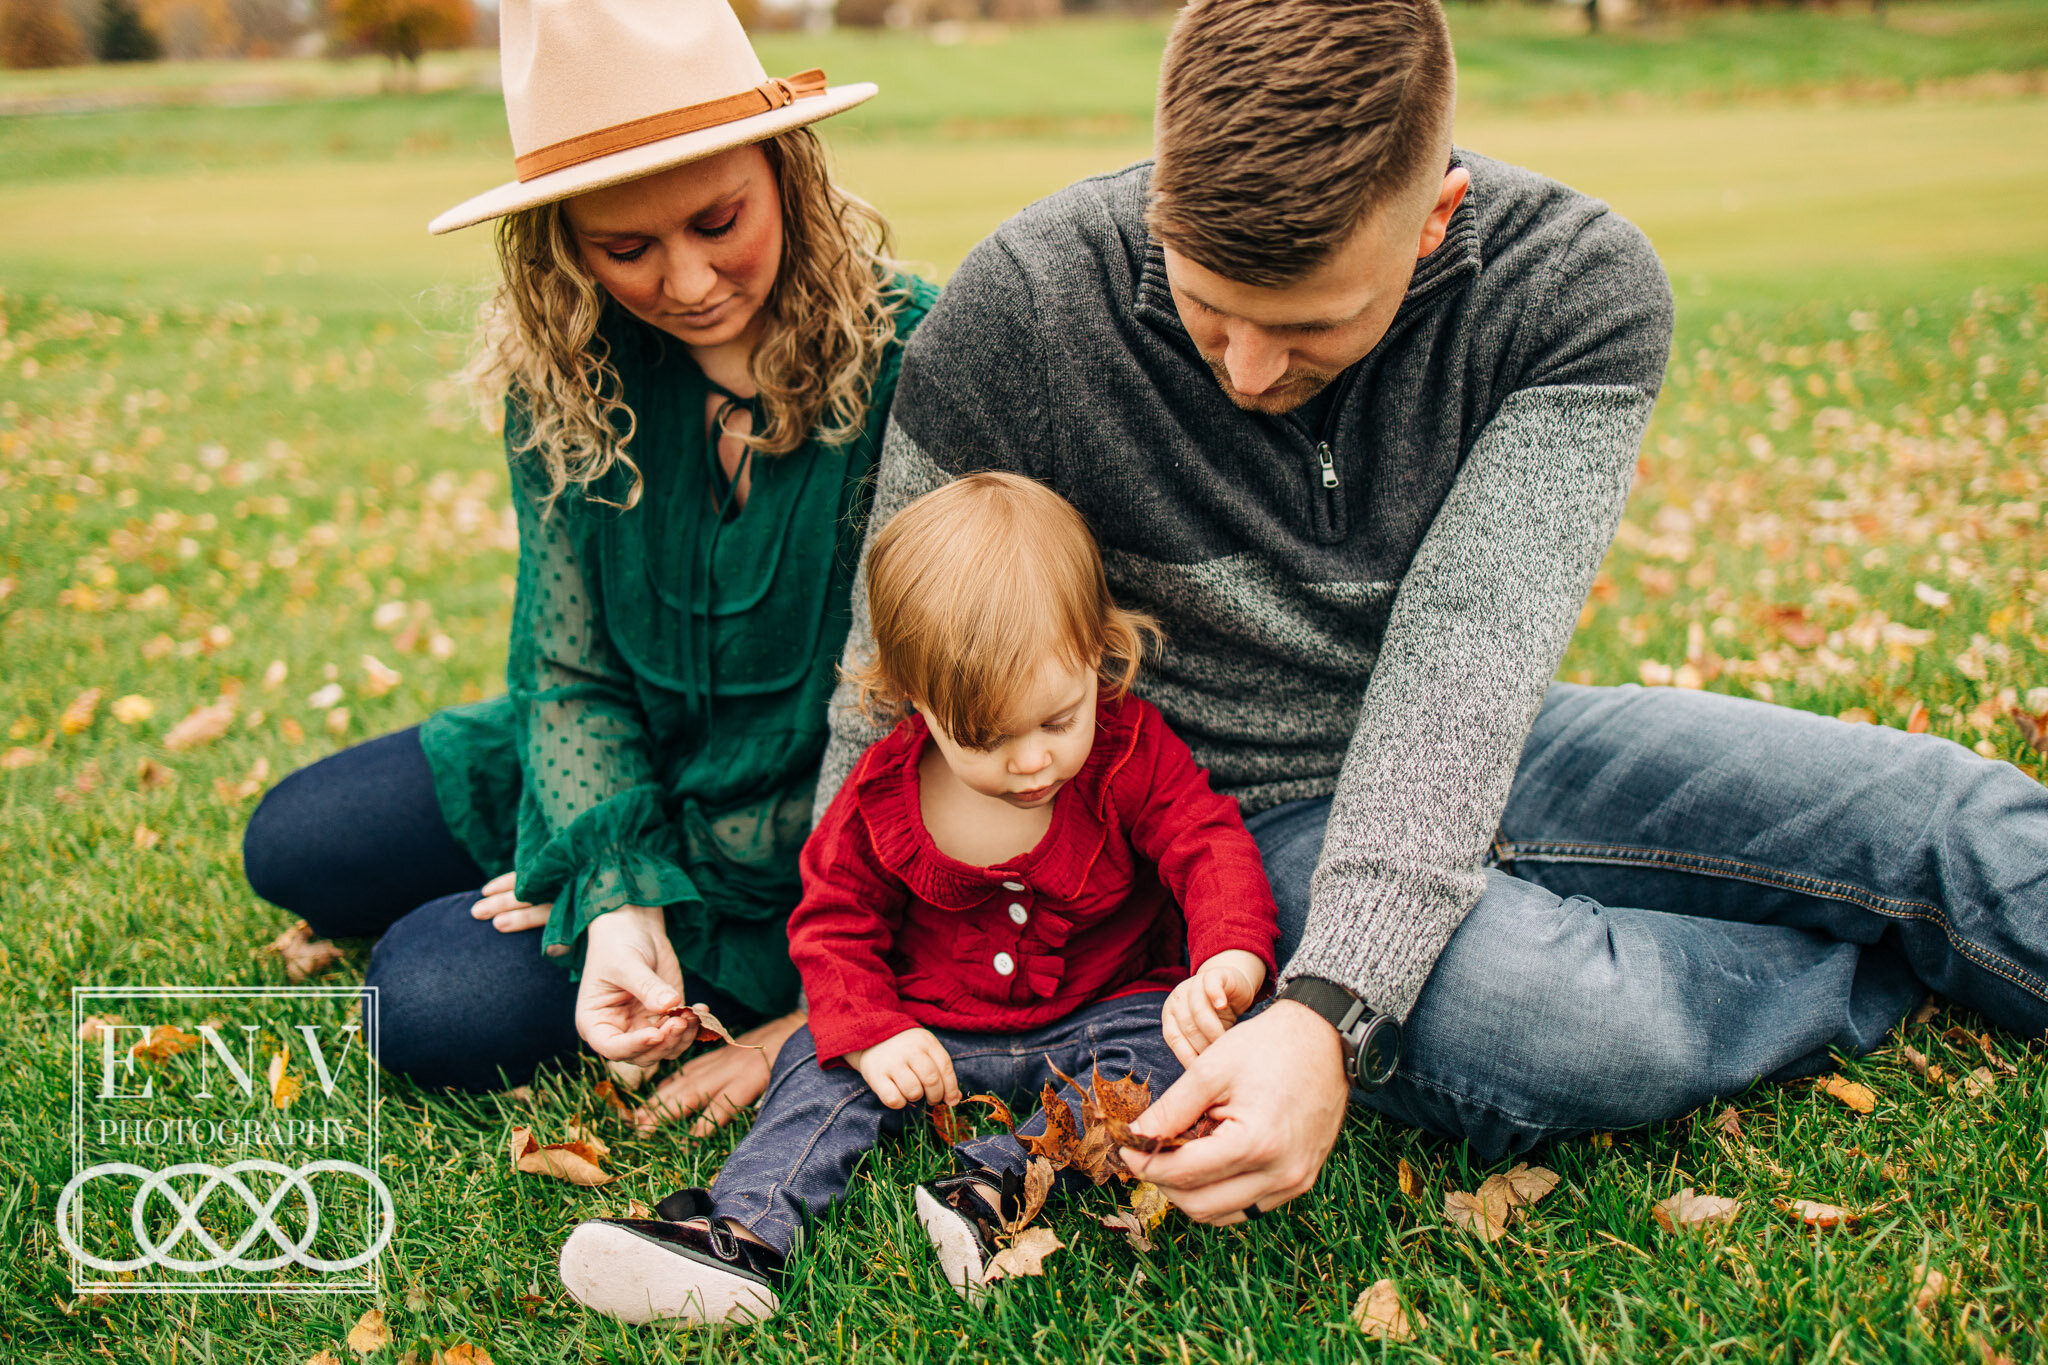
814, 1124
355, 845
1692, 892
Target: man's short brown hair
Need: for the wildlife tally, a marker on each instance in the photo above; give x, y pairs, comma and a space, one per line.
1283, 123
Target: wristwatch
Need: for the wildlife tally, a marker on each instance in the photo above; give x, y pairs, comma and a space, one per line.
1372, 1041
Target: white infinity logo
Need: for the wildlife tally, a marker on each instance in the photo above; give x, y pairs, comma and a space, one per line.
220, 1257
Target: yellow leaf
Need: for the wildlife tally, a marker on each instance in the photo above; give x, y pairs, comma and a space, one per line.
369, 1334
462, 1353
1411, 1183
78, 717
133, 709
284, 1087
1861, 1098
1149, 1204
324, 1358
147, 838
1380, 1315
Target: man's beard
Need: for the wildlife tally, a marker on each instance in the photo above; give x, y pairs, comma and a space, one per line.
1298, 388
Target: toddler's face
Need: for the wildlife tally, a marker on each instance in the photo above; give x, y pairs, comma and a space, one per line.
1044, 742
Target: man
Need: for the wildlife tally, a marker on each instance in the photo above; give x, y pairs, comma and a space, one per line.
1355, 417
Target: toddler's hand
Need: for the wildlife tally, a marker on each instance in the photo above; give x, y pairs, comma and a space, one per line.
911, 1066
1210, 1001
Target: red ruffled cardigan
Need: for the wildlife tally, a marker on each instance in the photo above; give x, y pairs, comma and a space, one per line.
1142, 866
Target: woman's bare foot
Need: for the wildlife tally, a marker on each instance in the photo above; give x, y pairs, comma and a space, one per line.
717, 1085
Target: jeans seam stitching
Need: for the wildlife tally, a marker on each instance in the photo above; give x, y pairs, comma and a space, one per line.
1627, 855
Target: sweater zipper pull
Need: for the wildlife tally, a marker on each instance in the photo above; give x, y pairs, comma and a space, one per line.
1329, 463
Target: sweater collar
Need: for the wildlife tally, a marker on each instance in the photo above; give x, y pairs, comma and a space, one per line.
1456, 258
1057, 867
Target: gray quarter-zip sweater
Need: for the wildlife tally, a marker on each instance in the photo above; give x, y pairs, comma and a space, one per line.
1370, 609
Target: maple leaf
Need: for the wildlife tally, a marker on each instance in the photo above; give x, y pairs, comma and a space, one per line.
1728, 1124
369, 1334
1486, 1220
1124, 1136
303, 954
1860, 1098
1056, 1144
1380, 1314
1689, 1210
577, 1162
997, 1110
1025, 1256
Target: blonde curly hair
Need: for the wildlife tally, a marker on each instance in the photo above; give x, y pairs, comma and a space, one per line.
830, 316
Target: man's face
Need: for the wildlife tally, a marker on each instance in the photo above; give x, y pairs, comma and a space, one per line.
1273, 349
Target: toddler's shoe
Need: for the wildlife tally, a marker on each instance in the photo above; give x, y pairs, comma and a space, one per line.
962, 1215
684, 1269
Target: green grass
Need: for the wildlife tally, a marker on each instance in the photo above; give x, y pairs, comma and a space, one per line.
1855, 409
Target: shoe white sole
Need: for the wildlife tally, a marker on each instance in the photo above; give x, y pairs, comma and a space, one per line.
616, 1272
955, 1244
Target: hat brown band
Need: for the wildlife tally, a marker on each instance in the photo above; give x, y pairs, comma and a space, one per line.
772, 93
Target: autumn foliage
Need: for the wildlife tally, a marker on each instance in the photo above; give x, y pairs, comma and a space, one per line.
39, 33
403, 29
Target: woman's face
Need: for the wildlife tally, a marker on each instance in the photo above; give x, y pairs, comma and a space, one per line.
692, 250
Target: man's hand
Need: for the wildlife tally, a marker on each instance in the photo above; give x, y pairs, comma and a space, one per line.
1277, 1084
507, 913
913, 1065
630, 981
1210, 1001
718, 1085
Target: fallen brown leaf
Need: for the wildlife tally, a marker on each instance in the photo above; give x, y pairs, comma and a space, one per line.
946, 1124
370, 1334
1025, 1256
1130, 1225
1411, 1183
1917, 1059
304, 955
202, 725
1038, 1181
1980, 1083
146, 838
576, 1162
1729, 1123
462, 1353
1929, 1285
1486, 1219
1380, 1314
710, 1024
609, 1094
1816, 1215
2033, 728
164, 1040
1861, 1098
323, 1358
1689, 1210
638, 1208
150, 774
997, 1110
1916, 724
1925, 1012
1530, 1184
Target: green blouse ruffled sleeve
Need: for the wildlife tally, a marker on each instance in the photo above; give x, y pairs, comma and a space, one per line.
593, 834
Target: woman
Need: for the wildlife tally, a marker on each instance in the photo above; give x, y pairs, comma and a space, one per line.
697, 336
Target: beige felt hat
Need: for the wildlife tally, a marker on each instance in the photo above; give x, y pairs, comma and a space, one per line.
602, 91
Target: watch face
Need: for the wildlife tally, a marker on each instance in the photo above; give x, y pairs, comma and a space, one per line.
1379, 1051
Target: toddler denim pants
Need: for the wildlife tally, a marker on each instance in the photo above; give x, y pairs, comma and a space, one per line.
814, 1123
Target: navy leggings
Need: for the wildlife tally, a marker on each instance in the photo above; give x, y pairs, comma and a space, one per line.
355, 845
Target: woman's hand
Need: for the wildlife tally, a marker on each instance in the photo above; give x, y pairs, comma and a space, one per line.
718, 1085
1210, 1001
630, 981
509, 914
914, 1065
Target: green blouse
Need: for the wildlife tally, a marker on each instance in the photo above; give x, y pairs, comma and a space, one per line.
668, 678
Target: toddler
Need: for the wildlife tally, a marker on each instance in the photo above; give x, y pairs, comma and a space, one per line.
1012, 880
